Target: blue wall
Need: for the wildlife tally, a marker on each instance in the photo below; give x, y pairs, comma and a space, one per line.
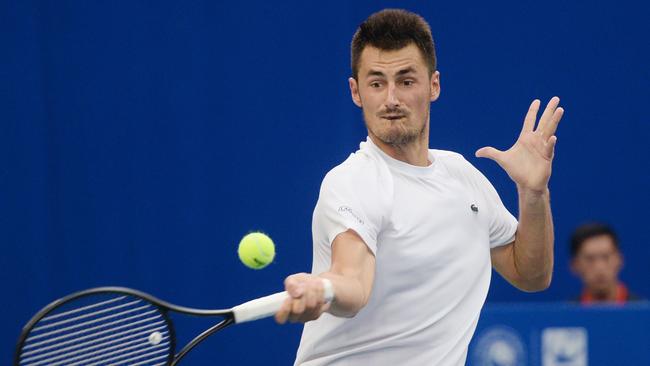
140, 140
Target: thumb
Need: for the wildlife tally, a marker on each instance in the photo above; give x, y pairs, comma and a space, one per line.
488, 152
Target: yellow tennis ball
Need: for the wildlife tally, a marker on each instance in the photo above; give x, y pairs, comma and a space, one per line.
256, 250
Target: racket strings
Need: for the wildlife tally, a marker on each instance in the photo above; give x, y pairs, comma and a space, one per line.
100, 329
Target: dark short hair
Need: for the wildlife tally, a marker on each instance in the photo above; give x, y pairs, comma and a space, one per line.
393, 29
587, 231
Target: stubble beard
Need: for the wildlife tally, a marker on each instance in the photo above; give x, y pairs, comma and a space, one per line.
398, 137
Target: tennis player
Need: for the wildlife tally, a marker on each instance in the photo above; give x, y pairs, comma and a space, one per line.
406, 235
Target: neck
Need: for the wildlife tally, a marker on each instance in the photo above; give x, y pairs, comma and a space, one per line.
609, 294
415, 152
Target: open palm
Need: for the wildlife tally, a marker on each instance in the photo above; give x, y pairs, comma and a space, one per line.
528, 162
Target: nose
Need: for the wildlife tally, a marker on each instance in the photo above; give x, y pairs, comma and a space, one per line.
391, 98
601, 267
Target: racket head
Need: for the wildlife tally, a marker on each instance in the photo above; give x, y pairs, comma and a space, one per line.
106, 325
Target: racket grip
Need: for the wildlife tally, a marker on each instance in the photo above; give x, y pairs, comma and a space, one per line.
259, 308
269, 305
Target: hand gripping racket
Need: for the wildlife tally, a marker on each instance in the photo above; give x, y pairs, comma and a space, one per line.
121, 326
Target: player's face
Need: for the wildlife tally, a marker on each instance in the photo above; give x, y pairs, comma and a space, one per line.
395, 92
598, 263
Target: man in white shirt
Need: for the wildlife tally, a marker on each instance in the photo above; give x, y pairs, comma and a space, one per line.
407, 236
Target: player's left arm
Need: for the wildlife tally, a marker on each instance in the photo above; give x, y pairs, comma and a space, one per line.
527, 263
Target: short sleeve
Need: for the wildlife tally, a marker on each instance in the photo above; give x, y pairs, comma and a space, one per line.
352, 197
503, 225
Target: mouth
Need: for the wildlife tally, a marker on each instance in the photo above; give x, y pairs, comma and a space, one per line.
393, 117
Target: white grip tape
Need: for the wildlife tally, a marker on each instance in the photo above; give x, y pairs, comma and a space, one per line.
269, 305
259, 308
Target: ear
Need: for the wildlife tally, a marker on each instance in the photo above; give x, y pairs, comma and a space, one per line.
621, 262
435, 86
354, 91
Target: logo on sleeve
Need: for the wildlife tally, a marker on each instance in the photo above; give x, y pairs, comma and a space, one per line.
347, 211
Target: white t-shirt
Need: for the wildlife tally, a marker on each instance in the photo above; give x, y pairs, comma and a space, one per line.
431, 230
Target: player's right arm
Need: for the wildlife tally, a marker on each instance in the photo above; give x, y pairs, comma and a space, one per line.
351, 273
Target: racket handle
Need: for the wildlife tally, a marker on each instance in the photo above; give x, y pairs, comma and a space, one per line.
269, 305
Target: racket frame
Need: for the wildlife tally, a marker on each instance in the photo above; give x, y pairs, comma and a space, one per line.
162, 306
252, 310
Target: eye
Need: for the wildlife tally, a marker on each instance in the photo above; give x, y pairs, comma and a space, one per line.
408, 82
375, 84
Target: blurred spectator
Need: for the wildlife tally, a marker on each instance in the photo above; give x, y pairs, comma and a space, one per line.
596, 258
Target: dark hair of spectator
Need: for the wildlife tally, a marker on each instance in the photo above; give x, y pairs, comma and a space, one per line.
588, 231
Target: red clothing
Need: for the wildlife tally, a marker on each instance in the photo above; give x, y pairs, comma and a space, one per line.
622, 296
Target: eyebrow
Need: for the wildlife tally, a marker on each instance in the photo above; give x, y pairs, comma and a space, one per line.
407, 70
401, 72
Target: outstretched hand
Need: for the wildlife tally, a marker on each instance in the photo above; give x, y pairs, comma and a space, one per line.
528, 162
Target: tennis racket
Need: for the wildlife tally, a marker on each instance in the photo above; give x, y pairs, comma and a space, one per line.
121, 326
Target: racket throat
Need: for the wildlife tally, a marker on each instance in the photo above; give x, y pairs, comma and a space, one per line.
188, 347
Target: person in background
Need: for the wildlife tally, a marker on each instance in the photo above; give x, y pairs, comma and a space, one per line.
597, 259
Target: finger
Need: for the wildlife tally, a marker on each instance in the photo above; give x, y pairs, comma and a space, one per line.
311, 299
297, 310
315, 313
548, 113
490, 153
551, 127
282, 314
298, 306
311, 314
550, 146
531, 116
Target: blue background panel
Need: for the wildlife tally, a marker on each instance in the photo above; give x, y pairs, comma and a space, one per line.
518, 334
